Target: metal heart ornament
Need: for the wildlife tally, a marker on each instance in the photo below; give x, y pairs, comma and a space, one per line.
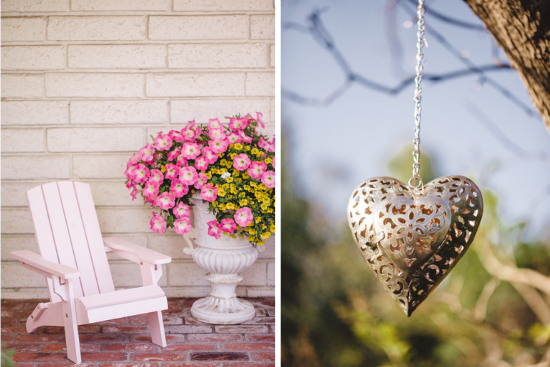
411, 238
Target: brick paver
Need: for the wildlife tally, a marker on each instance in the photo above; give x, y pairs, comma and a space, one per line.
126, 342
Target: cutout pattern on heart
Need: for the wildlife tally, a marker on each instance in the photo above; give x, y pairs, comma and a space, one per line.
411, 239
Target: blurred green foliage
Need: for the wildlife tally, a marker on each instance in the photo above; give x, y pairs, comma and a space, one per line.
6, 357
334, 313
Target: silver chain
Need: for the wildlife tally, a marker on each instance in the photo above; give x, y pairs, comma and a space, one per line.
416, 179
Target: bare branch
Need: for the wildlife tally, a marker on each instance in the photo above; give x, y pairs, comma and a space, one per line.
322, 36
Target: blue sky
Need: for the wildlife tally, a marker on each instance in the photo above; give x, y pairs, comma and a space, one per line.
334, 148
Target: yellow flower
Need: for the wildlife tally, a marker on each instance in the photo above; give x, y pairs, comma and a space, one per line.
272, 227
243, 202
264, 207
268, 160
233, 155
258, 219
265, 235
246, 148
238, 146
261, 243
163, 169
253, 184
215, 204
254, 151
251, 231
246, 176
238, 180
223, 162
221, 192
209, 175
229, 179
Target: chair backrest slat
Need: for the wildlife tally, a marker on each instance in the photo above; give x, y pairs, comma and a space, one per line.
95, 240
68, 233
78, 238
43, 231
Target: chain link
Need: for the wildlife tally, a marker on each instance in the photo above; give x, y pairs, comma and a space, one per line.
416, 179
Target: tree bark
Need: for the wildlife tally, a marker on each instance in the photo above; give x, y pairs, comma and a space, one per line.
522, 29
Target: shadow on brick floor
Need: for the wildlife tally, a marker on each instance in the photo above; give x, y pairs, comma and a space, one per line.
126, 342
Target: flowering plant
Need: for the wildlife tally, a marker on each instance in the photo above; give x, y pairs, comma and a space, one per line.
233, 168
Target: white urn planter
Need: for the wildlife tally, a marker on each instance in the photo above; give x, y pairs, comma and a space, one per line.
224, 258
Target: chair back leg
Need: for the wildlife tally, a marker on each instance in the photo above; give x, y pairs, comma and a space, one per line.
156, 326
71, 332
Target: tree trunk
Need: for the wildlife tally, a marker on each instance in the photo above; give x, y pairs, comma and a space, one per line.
522, 29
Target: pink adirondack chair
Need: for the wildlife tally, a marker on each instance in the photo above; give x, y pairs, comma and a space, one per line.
74, 262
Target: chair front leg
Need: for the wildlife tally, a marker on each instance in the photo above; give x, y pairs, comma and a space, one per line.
150, 275
70, 322
156, 327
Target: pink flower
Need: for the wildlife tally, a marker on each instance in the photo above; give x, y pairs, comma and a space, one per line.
210, 156
234, 138
201, 163
165, 201
201, 180
273, 164
134, 160
190, 150
241, 162
243, 216
214, 229
257, 169
151, 190
134, 192
189, 132
209, 192
246, 138
181, 210
130, 172
264, 144
174, 154
228, 225
140, 173
238, 123
216, 134
188, 175
182, 161
182, 225
147, 153
176, 135
218, 146
214, 124
268, 179
163, 142
259, 116
178, 189
156, 177
172, 171
158, 224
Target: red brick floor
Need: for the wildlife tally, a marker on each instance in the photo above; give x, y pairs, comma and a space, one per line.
126, 342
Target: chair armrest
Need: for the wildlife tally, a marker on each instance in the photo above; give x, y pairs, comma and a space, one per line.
37, 262
124, 248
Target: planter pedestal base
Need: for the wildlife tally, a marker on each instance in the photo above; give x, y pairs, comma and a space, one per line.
223, 306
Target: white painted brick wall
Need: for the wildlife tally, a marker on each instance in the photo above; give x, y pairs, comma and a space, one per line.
84, 82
